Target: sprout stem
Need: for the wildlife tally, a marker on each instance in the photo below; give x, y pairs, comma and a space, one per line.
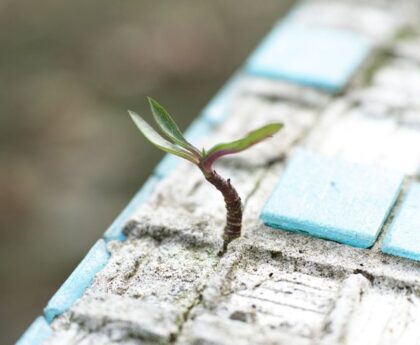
233, 205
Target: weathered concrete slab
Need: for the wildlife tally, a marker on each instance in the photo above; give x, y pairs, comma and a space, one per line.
409, 49
212, 330
153, 281
117, 318
394, 88
168, 283
353, 134
186, 191
384, 317
349, 297
258, 292
301, 301
373, 20
76, 334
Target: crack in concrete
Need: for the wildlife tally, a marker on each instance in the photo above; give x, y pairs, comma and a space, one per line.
186, 315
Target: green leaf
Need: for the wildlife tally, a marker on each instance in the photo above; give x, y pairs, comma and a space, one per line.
249, 140
158, 141
168, 125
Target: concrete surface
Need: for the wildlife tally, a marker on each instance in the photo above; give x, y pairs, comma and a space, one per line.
167, 283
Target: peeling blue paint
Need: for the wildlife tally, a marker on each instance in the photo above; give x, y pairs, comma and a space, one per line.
38, 332
324, 197
78, 281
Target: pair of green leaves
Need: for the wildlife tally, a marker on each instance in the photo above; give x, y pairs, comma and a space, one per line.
179, 146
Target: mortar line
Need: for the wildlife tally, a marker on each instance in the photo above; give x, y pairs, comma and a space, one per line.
396, 207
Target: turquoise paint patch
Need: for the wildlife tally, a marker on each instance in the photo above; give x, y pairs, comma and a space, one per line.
80, 279
166, 165
198, 130
195, 133
217, 110
37, 333
115, 231
332, 199
403, 237
311, 56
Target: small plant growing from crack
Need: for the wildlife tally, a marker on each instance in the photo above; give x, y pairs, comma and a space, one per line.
204, 159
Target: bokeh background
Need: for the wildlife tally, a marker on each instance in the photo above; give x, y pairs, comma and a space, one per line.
70, 158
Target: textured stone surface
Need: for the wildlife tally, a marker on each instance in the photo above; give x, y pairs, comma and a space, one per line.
361, 133
262, 292
117, 318
168, 283
373, 20
409, 49
212, 330
384, 317
346, 302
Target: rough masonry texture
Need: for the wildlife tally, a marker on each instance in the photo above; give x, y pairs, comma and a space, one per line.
166, 282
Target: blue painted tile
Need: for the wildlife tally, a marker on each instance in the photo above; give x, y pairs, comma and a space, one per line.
37, 333
332, 199
217, 110
403, 236
115, 231
78, 281
195, 133
312, 56
198, 130
166, 165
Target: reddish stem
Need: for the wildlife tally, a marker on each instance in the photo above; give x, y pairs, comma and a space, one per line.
233, 204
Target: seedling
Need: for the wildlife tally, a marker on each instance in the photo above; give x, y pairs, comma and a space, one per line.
204, 159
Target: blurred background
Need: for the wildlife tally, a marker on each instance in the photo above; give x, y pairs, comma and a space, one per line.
70, 158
